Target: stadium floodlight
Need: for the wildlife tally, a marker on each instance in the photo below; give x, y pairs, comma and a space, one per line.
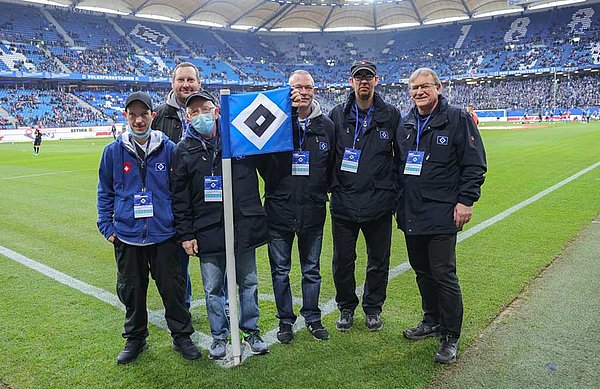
555, 4
498, 12
242, 27
205, 23
357, 28
399, 25
157, 17
296, 29
446, 20
48, 2
100, 9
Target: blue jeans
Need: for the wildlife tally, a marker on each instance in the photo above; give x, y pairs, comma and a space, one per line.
184, 261
212, 268
280, 257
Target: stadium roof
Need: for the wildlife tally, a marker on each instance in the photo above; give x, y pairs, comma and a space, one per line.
310, 15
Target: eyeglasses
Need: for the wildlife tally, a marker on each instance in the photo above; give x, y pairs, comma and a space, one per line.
307, 88
363, 77
415, 88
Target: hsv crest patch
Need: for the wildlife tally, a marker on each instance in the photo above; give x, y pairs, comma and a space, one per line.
323, 146
442, 140
160, 166
384, 134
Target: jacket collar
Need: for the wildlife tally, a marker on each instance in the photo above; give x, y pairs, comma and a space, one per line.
156, 139
439, 116
381, 113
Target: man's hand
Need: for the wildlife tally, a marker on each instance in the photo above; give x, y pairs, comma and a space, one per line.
112, 238
462, 214
296, 97
190, 246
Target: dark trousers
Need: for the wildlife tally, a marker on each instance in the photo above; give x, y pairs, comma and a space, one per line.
433, 258
280, 257
134, 264
378, 236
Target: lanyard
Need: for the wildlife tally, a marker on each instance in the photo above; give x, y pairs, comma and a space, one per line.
421, 127
302, 130
216, 148
364, 124
184, 123
142, 161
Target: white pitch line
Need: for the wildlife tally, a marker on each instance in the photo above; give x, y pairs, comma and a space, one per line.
45, 174
204, 340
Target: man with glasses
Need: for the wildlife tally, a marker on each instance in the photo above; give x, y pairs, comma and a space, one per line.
442, 169
296, 185
363, 193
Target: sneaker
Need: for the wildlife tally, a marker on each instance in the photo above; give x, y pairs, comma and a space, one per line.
422, 331
345, 321
218, 349
374, 322
317, 330
285, 334
448, 350
186, 347
133, 348
255, 342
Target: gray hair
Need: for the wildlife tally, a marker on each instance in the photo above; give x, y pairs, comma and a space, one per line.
424, 72
300, 72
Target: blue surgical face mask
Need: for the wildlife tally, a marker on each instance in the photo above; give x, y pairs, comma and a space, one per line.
203, 123
139, 136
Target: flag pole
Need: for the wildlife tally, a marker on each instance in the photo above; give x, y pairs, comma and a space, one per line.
229, 231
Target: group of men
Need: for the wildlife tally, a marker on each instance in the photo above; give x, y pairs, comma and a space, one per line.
160, 203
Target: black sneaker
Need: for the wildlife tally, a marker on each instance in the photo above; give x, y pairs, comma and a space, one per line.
186, 347
285, 334
133, 348
345, 321
374, 322
422, 331
317, 330
448, 350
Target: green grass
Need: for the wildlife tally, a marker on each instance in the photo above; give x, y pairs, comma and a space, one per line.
54, 336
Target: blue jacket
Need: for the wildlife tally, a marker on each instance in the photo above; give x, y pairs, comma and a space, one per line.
120, 178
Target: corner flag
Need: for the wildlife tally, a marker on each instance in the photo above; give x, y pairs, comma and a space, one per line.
257, 123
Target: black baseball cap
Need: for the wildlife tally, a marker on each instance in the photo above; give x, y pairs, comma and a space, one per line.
139, 96
363, 65
201, 94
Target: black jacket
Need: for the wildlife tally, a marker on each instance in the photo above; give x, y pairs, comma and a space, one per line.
204, 221
167, 120
297, 203
453, 170
371, 192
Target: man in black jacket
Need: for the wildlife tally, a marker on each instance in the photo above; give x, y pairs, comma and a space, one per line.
170, 119
442, 169
196, 185
363, 194
296, 185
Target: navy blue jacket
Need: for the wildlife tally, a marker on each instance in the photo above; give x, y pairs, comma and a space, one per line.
120, 178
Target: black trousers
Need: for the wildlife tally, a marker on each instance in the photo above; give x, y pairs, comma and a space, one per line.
378, 236
433, 258
134, 264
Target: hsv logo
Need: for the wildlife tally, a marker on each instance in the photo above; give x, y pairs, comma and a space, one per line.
442, 140
260, 120
323, 146
160, 166
127, 167
150, 35
384, 135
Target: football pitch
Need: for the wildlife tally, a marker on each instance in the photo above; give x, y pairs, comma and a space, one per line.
60, 324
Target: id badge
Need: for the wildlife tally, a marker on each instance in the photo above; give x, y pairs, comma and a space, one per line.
142, 205
213, 189
300, 161
350, 160
414, 163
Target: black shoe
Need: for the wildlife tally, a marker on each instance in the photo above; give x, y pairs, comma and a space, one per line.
317, 330
186, 347
345, 321
374, 322
133, 348
285, 334
448, 350
422, 331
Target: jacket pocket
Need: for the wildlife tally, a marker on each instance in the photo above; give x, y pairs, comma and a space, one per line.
208, 219
384, 184
439, 196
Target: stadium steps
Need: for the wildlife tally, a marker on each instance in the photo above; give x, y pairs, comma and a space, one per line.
58, 27
120, 31
56, 60
224, 42
178, 39
85, 104
5, 114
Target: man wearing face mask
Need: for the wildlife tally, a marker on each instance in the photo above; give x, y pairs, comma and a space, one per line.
170, 119
296, 185
363, 192
134, 214
197, 190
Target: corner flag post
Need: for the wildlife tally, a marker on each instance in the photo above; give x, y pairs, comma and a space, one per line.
229, 238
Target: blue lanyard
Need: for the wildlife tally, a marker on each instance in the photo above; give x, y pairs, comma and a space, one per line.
364, 124
184, 122
302, 131
421, 127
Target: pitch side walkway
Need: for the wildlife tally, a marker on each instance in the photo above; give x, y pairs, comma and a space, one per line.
549, 337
